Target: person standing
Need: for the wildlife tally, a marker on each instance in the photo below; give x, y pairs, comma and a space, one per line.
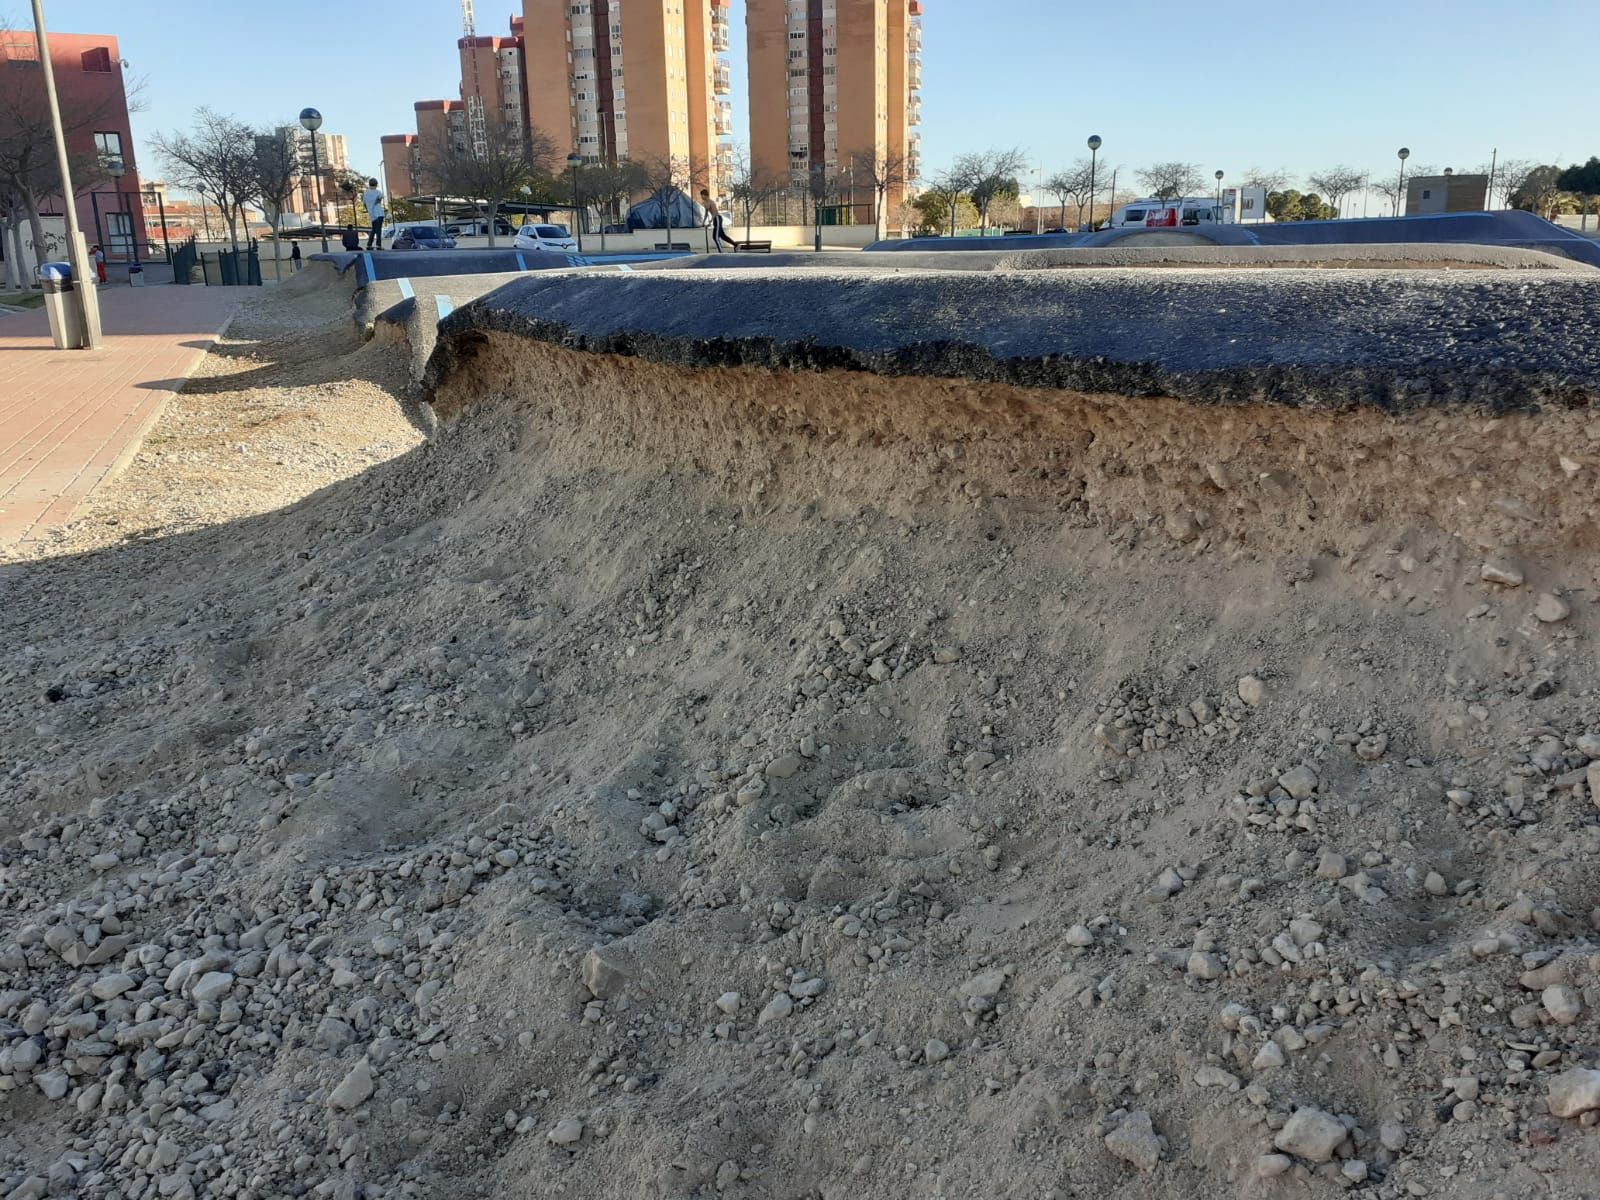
99, 262
714, 218
373, 199
294, 257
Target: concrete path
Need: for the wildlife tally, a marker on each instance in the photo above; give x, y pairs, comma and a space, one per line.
69, 419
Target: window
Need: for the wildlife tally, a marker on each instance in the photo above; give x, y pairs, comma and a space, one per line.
98, 59
108, 145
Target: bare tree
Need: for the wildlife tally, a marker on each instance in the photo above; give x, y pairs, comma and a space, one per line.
1170, 180
1507, 178
1073, 184
949, 187
509, 160
219, 152
274, 164
609, 187
883, 172
665, 179
751, 185
1336, 183
822, 189
1269, 181
987, 176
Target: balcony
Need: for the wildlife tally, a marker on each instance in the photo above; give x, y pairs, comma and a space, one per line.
724, 118
721, 81
719, 37
914, 114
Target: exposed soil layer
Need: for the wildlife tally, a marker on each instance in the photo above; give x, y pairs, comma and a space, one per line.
682, 780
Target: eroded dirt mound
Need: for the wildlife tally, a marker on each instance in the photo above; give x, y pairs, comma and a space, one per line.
676, 783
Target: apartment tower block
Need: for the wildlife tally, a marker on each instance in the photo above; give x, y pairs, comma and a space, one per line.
831, 79
633, 79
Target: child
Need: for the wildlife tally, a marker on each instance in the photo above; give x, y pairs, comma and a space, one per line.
99, 262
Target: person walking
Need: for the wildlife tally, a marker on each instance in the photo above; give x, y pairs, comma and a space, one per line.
373, 199
99, 262
294, 257
714, 219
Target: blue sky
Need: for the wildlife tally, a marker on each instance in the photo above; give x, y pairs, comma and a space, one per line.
1222, 83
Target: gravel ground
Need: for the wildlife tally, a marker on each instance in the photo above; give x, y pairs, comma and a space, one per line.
288, 402
679, 782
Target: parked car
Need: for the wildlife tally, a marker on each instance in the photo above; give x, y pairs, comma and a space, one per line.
422, 237
554, 239
479, 228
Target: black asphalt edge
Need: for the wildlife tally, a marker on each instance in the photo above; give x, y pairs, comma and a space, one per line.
1488, 390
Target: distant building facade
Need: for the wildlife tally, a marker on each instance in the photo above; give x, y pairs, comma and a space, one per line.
94, 105
1446, 193
831, 79
633, 79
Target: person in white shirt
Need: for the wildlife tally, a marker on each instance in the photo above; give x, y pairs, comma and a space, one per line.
373, 199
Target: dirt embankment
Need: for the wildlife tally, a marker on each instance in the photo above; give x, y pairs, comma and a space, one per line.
678, 782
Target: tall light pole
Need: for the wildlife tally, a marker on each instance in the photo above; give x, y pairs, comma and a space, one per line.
1094, 161
311, 121
116, 168
1219, 195
1400, 194
88, 300
205, 217
574, 161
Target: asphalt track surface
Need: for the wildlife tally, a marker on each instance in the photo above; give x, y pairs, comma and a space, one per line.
1518, 229
1395, 340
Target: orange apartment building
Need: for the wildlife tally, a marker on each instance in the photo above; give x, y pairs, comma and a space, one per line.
633, 79
833, 78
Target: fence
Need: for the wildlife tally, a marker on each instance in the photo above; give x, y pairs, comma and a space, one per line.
794, 206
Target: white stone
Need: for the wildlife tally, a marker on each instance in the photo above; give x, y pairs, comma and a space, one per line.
566, 1131
935, 1051
1574, 1092
356, 1089
1205, 966
777, 1008
1563, 1003
1080, 936
212, 986
1251, 690
1501, 572
728, 1002
1136, 1141
1311, 1134
109, 987
1551, 608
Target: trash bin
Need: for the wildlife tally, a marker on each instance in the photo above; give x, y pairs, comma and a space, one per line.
66, 318
136, 276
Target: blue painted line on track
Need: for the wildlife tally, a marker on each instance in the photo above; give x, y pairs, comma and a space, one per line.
446, 306
522, 263
372, 272
406, 290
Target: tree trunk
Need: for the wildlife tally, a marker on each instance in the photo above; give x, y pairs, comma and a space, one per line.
277, 247
30, 204
494, 211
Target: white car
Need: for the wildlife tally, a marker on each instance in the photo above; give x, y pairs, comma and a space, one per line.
551, 238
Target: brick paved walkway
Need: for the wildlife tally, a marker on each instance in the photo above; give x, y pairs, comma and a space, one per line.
70, 419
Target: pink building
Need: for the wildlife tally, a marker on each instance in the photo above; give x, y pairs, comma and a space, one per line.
94, 108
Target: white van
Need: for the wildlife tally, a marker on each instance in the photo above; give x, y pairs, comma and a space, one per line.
1166, 214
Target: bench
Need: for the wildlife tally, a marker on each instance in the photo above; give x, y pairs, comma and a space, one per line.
684, 246
755, 247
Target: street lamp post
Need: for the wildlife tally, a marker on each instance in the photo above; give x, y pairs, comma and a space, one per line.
574, 161
77, 251
1219, 195
311, 121
1400, 193
116, 168
1094, 161
205, 217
